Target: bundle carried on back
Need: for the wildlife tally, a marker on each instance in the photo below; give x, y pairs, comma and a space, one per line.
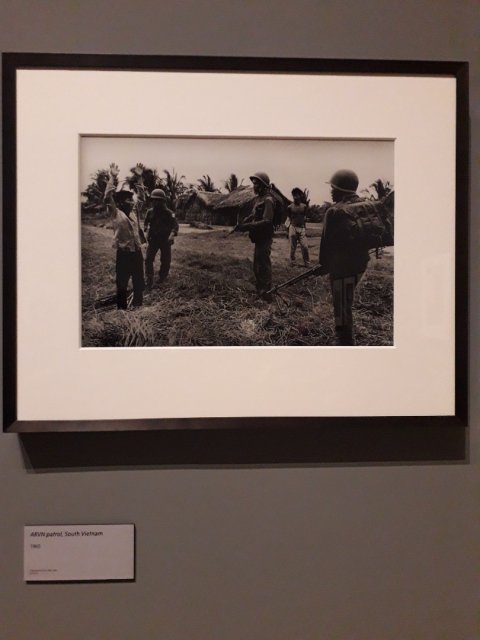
374, 221
280, 206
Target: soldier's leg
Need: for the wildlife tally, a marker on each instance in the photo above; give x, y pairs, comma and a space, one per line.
255, 265
122, 273
152, 249
165, 259
137, 278
264, 277
302, 238
343, 292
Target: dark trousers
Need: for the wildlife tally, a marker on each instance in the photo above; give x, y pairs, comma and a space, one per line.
343, 292
129, 264
262, 265
155, 244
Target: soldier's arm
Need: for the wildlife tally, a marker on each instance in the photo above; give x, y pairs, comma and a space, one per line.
175, 226
140, 191
245, 224
147, 220
267, 219
110, 190
324, 239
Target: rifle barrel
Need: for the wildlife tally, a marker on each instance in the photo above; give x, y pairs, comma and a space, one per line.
302, 276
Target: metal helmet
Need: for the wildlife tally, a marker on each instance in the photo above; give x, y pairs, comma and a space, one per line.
262, 177
158, 194
344, 180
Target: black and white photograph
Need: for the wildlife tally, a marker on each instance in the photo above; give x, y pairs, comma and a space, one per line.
184, 228
192, 241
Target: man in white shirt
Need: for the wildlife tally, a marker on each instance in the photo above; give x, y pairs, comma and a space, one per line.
127, 236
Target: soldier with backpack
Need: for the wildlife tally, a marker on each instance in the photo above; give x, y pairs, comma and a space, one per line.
260, 226
344, 253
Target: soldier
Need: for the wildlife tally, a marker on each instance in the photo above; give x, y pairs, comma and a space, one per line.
124, 207
297, 226
343, 255
161, 228
260, 230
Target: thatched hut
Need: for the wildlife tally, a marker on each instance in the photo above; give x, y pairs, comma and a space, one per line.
235, 206
181, 204
198, 206
219, 208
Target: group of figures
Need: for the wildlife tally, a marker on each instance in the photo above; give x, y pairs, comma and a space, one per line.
160, 228
344, 254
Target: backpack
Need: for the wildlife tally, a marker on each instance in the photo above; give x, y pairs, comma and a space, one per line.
280, 207
371, 222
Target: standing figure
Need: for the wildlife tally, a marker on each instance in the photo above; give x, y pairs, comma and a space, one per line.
260, 230
127, 236
161, 228
343, 252
297, 234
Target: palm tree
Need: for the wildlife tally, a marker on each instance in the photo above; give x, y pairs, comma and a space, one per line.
232, 183
206, 184
94, 191
381, 189
151, 179
173, 185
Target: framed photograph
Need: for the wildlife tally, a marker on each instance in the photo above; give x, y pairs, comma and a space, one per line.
234, 245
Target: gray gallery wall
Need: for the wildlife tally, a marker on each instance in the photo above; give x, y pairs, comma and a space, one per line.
328, 552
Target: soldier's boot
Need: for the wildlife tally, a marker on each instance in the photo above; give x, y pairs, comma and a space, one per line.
122, 299
344, 337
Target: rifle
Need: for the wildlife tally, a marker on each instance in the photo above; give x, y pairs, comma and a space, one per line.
318, 270
110, 302
249, 218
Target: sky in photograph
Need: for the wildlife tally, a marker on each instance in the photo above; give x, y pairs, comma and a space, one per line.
289, 163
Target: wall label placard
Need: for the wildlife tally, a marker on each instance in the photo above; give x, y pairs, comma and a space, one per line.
55, 553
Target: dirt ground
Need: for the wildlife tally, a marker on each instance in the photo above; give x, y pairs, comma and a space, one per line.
209, 298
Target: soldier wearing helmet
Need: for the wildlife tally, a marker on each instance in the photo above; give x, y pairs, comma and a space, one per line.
161, 228
260, 230
342, 254
124, 208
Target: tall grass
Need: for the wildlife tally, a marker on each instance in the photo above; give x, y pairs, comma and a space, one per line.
210, 299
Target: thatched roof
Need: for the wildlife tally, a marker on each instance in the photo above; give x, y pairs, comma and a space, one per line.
182, 200
242, 196
205, 198
237, 198
209, 198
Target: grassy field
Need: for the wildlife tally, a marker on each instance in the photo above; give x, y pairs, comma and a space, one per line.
209, 297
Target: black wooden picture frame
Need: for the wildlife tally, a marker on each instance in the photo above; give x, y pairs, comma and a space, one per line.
236, 440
